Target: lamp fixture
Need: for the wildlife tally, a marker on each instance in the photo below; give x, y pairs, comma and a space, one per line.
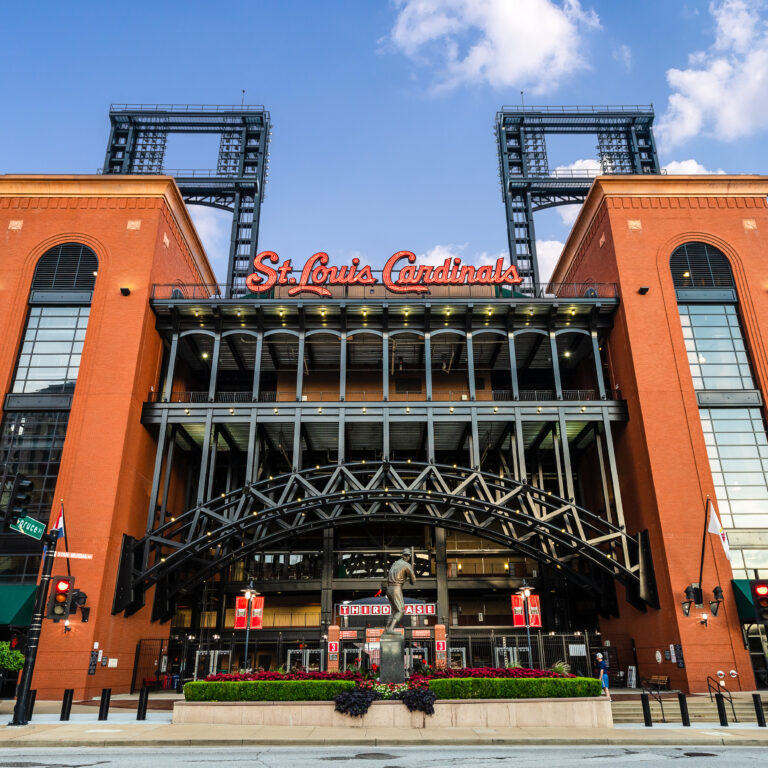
714, 605
125, 291
643, 289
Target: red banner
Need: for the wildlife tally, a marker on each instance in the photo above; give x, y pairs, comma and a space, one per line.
241, 612
534, 611
257, 612
241, 609
518, 611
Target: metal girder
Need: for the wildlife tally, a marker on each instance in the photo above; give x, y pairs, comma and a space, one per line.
625, 144
182, 553
137, 144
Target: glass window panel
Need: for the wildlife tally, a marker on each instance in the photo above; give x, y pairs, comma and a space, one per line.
80, 334
737, 492
741, 465
747, 506
58, 322
722, 383
59, 311
54, 334
755, 558
739, 451
712, 332
751, 521
702, 309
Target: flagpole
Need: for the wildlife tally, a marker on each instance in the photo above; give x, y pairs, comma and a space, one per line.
703, 541
66, 539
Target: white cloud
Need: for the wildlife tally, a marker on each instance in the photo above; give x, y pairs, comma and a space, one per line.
214, 228
525, 44
722, 92
688, 167
623, 54
548, 253
592, 167
438, 254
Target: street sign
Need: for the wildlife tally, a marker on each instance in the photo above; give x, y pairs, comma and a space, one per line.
29, 527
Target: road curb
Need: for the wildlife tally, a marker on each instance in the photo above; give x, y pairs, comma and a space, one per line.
498, 741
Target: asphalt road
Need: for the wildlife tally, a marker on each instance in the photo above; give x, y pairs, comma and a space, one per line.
384, 757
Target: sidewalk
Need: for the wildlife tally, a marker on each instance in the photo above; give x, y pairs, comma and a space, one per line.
118, 731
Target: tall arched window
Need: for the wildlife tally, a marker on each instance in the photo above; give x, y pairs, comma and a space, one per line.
36, 412
731, 419
60, 298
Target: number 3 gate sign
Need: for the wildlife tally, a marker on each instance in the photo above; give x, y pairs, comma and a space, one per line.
333, 651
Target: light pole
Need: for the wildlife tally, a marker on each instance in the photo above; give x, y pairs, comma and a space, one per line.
526, 593
250, 593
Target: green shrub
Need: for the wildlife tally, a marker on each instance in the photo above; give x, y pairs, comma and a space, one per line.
514, 687
266, 690
11, 660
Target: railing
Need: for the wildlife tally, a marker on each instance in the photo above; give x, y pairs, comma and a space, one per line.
201, 291
718, 686
584, 109
186, 108
375, 396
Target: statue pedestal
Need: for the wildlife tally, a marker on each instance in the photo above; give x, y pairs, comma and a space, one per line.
391, 658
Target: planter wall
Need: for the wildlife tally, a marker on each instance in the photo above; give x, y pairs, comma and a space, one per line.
467, 713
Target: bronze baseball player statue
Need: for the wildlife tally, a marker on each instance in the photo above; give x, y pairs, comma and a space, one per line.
400, 571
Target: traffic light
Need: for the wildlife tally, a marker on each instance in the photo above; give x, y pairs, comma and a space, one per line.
18, 497
759, 590
18, 640
79, 599
60, 599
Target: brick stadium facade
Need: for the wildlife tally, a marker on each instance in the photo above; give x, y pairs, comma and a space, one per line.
568, 435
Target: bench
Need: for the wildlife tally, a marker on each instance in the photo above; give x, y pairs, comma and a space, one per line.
657, 682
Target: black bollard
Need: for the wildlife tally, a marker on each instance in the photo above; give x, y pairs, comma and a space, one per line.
66, 703
758, 710
141, 712
31, 706
646, 710
106, 693
684, 716
720, 701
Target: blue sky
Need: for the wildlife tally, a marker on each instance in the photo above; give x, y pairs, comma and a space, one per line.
383, 111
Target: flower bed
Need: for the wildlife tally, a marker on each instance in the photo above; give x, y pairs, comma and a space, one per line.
266, 690
514, 688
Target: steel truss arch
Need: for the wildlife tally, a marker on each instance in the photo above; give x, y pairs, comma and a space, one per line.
184, 551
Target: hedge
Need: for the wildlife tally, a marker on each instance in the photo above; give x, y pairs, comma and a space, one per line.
515, 688
266, 690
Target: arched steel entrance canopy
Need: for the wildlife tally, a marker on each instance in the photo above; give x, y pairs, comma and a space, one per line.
182, 552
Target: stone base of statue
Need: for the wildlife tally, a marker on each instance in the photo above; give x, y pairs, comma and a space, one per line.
391, 658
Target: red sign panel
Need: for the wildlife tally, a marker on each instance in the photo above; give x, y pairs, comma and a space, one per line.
518, 611
257, 612
348, 634
440, 646
241, 612
333, 647
241, 609
380, 609
421, 634
534, 611
400, 274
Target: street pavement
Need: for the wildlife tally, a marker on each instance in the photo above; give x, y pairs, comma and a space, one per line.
390, 757
157, 732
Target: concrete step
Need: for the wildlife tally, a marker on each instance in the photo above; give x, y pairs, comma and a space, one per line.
699, 710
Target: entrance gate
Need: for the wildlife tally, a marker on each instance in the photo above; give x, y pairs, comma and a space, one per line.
309, 659
210, 662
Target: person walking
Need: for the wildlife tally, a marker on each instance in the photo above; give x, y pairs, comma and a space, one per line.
602, 673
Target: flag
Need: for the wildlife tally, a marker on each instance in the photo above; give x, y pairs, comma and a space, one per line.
59, 527
715, 527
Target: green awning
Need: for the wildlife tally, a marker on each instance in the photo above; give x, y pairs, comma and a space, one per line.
744, 604
16, 604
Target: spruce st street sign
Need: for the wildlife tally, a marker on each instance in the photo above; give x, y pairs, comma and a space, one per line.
400, 274
29, 527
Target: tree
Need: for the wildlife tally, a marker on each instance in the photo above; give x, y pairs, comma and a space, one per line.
11, 660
